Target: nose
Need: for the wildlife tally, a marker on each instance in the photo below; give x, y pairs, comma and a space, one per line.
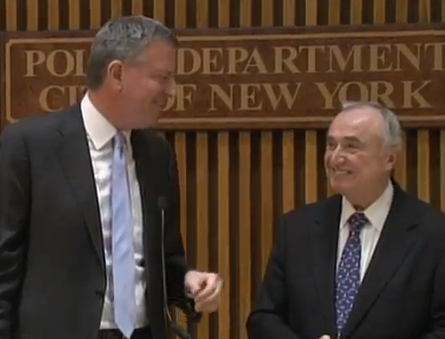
171, 88
336, 156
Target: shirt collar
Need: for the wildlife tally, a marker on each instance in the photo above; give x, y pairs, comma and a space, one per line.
98, 128
376, 212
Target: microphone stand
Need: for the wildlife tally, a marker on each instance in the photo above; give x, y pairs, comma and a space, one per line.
173, 325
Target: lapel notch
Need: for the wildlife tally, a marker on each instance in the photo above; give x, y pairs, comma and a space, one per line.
75, 160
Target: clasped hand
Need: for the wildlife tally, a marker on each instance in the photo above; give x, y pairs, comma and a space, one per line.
205, 289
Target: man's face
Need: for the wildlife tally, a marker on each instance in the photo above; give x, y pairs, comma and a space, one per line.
356, 157
147, 84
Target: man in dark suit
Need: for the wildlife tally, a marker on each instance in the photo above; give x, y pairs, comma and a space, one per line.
81, 193
366, 263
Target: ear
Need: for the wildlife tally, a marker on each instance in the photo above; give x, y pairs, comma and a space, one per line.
114, 74
392, 158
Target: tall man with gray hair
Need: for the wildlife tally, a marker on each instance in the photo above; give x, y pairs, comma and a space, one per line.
365, 263
81, 200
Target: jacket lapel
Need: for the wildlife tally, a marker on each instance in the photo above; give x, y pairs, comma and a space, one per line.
75, 160
324, 255
394, 243
146, 173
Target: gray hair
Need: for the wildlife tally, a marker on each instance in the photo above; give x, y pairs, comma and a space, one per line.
123, 38
393, 133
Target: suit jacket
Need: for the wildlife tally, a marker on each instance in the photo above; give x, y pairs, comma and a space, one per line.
52, 268
402, 295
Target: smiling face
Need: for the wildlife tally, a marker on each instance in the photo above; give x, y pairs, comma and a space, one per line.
144, 86
357, 161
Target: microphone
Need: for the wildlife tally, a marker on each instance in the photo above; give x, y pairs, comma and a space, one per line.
163, 205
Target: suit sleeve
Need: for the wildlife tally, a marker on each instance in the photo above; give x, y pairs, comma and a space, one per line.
14, 219
438, 304
268, 317
174, 249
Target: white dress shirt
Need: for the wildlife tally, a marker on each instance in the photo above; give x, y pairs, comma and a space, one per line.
376, 214
100, 135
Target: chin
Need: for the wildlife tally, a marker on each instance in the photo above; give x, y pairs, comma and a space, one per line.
146, 120
153, 120
340, 186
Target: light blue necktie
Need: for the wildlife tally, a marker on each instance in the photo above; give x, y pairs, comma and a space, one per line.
122, 243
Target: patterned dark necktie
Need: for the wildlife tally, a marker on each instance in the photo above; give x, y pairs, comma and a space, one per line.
348, 273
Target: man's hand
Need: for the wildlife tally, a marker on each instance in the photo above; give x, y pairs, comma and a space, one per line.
204, 288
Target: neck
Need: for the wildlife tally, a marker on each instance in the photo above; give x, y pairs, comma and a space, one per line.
362, 201
105, 106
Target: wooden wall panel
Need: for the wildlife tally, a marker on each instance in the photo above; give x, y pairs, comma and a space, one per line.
235, 184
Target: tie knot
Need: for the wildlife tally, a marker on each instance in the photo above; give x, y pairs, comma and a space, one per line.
357, 221
119, 140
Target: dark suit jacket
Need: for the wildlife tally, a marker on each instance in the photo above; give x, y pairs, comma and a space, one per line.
52, 270
403, 292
